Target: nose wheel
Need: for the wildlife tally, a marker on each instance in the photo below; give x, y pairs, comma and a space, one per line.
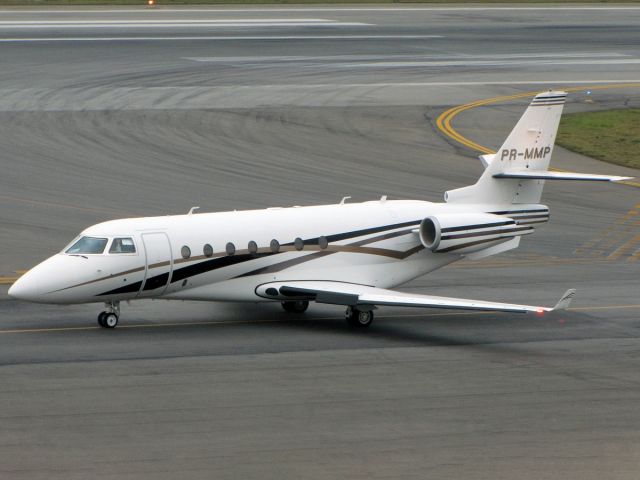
109, 318
358, 318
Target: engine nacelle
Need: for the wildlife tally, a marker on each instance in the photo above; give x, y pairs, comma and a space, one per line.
468, 232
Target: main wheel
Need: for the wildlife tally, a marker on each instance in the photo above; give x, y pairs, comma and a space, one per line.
359, 318
101, 319
298, 306
110, 320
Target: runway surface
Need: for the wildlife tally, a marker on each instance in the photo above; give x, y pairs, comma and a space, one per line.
115, 112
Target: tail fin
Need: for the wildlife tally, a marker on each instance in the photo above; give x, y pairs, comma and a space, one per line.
517, 171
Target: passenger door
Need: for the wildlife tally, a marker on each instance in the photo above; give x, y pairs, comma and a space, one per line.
159, 264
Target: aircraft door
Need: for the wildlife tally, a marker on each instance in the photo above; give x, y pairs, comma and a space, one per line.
159, 264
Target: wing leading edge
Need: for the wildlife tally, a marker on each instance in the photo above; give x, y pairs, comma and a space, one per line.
355, 295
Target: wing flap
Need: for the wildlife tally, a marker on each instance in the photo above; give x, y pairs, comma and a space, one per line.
342, 293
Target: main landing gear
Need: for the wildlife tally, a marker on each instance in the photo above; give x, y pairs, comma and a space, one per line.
299, 306
109, 317
358, 318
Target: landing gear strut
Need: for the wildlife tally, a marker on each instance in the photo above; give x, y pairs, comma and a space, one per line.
298, 306
358, 318
109, 317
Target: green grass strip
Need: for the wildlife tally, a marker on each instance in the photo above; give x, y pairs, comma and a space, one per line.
610, 135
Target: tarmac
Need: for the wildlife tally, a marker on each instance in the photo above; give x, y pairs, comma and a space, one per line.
117, 112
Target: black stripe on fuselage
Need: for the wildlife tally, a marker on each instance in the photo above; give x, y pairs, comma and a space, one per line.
222, 262
156, 281
226, 261
549, 97
336, 237
477, 226
214, 264
547, 104
277, 267
131, 288
514, 212
528, 217
484, 234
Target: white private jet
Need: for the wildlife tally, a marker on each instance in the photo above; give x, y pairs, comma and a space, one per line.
346, 254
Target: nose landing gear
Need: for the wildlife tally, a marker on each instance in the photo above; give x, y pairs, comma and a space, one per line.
109, 318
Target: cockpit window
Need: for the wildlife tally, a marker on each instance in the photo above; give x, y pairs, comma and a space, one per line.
86, 245
122, 245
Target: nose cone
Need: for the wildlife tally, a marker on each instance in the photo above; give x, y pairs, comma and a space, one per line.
30, 286
24, 289
43, 283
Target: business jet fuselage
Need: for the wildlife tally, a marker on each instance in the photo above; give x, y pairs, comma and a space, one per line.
347, 254
227, 256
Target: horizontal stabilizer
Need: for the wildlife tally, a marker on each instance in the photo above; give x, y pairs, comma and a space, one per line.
546, 175
355, 295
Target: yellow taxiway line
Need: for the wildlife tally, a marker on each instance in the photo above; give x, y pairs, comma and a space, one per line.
443, 122
249, 322
11, 280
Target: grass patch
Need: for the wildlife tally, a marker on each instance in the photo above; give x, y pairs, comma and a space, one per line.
610, 135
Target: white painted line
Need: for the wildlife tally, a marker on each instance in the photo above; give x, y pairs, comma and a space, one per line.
458, 84
337, 86
88, 26
216, 38
488, 63
372, 9
462, 59
562, 82
124, 22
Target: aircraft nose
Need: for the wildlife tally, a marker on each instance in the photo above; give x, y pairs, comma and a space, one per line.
25, 288
38, 284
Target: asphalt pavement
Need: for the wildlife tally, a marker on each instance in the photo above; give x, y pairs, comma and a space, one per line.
116, 112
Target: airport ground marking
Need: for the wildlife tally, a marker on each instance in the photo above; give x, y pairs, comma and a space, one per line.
443, 122
250, 322
588, 6
12, 280
625, 248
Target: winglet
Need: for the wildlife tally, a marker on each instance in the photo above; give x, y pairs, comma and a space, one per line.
565, 301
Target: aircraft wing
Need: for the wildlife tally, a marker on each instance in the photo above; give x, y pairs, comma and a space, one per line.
350, 294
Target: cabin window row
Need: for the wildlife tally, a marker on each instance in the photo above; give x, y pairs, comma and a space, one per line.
252, 247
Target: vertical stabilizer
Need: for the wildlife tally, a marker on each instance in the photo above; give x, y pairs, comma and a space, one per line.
527, 148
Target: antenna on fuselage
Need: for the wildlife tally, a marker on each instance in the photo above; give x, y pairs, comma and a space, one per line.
344, 199
192, 210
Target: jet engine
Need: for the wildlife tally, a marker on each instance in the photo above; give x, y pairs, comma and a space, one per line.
468, 232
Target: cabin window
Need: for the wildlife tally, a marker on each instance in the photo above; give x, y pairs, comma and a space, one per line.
185, 252
252, 247
122, 245
323, 242
207, 250
275, 246
230, 248
298, 243
87, 245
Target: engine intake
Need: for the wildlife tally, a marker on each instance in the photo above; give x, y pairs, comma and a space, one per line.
467, 233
